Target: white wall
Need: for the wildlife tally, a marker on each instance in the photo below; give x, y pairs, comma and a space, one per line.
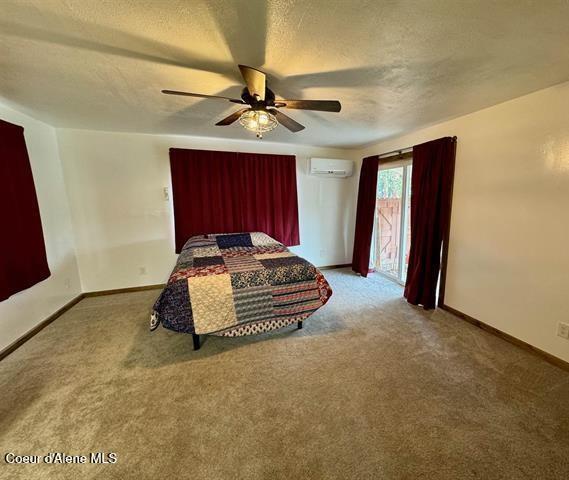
24, 310
123, 223
509, 248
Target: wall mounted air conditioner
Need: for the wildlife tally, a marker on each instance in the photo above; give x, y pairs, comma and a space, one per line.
331, 167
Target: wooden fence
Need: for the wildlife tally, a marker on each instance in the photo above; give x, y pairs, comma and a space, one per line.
388, 234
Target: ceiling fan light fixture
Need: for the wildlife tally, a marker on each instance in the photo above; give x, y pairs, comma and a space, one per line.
258, 121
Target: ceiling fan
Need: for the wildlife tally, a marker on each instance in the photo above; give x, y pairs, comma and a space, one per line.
262, 113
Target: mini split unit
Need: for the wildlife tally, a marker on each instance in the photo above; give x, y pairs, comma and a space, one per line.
330, 167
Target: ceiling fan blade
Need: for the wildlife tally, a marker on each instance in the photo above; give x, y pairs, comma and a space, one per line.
255, 80
200, 95
286, 121
318, 105
231, 118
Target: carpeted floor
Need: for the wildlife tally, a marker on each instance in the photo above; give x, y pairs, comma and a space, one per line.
371, 388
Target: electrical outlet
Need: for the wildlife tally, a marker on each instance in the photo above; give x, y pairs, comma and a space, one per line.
68, 283
142, 270
166, 194
563, 330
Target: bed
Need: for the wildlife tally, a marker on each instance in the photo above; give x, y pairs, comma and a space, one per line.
238, 284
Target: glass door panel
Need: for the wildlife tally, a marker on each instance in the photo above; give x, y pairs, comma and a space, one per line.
392, 229
388, 213
407, 222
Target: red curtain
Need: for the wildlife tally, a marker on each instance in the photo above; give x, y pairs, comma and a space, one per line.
23, 260
364, 215
431, 195
227, 192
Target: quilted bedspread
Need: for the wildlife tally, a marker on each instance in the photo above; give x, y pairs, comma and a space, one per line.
238, 284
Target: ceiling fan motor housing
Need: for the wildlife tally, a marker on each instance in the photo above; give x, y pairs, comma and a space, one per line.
258, 104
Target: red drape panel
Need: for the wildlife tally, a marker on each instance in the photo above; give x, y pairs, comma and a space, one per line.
23, 260
226, 192
364, 215
270, 203
431, 190
204, 201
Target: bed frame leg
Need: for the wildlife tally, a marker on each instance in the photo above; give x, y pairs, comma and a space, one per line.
300, 324
196, 339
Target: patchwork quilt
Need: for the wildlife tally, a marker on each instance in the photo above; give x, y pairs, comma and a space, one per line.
238, 284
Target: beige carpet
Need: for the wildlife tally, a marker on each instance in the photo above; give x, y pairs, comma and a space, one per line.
370, 388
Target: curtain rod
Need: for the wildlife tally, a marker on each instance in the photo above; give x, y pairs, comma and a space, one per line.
400, 151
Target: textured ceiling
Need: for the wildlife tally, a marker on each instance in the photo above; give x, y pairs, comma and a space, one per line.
394, 65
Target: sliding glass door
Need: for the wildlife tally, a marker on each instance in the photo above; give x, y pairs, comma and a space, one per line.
392, 227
